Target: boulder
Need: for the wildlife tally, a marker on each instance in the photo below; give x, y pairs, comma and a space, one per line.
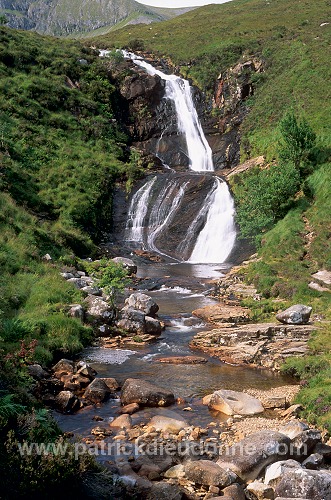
67, 402
98, 310
294, 428
259, 491
132, 321
175, 472
235, 491
223, 313
152, 326
64, 365
303, 483
164, 491
274, 472
130, 409
208, 473
249, 457
111, 383
36, 371
91, 290
67, 276
142, 302
145, 394
234, 403
85, 370
122, 422
167, 424
97, 391
303, 444
295, 315
128, 264
77, 311
78, 282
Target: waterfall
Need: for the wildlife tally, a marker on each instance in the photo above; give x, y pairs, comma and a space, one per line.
218, 235
137, 212
178, 91
151, 213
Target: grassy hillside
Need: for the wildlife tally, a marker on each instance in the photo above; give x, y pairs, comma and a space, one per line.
61, 149
284, 206
287, 35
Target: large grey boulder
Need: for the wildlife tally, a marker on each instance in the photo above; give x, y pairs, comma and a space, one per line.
145, 394
249, 457
98, 310
234, 403
142, 302
131, 320
208, 473
295, 315
128, 264
303, 483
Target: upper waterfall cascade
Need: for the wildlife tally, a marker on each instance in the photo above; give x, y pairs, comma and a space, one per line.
211, 234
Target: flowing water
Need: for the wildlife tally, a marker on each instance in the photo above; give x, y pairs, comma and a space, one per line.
156, 208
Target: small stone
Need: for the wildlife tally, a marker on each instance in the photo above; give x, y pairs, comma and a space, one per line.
130, 409
122, 422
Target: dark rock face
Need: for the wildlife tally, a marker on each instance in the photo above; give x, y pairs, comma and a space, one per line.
145, 394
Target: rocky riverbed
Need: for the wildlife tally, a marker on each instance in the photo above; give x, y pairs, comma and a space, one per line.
154, 443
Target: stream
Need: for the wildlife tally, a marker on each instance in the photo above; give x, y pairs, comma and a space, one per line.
188, 382
195, 251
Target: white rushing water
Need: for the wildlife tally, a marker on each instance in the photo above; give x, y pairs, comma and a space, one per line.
178, 90
216, 216
218, 235
137, 212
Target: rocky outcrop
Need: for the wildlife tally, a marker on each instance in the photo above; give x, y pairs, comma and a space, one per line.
232, 88
145, 394
223, 313
262, 344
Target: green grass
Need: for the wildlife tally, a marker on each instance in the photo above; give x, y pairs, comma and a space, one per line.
286, 35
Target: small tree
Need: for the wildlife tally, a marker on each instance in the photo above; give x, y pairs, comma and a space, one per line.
297, 143
3, 20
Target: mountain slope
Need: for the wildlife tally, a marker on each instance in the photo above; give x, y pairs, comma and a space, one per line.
72, 17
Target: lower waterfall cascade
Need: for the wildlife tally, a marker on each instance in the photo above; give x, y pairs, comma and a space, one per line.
153, 211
